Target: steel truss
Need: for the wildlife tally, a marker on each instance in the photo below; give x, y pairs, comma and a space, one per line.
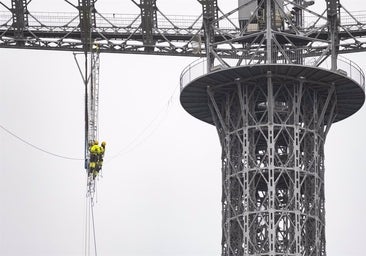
213, 33
272, 131
272, 125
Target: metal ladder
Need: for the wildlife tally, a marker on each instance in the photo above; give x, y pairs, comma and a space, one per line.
93, 98
92, 114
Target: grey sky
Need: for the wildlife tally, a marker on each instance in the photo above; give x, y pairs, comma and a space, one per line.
161, 196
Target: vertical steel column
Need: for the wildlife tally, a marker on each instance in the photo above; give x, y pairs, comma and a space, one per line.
148, 22
244, 109
333, 13
210, 14
20, 18
298, 90
271, 156
87, 22
269, 30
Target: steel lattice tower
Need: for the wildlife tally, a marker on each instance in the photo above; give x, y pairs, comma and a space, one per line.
272, 116
272, 81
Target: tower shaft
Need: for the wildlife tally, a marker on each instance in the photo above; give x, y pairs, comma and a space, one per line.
272, 133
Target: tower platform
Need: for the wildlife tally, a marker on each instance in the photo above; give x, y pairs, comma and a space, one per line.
349, 88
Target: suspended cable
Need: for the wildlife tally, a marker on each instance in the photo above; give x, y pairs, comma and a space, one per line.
87, 228
87, 223
93, 226
90, 234
90, 241
125, 150
135, 141
38, 148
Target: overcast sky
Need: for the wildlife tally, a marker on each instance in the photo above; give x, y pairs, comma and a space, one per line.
161, 194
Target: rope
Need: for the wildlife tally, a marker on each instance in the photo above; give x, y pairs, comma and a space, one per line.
87, 229
87, 217
90, 241
93, 225
135, 141
123, 151
38, 148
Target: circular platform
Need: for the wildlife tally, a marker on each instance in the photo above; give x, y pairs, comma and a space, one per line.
350, 94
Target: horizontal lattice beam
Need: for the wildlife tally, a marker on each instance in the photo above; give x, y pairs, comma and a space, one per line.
169, 35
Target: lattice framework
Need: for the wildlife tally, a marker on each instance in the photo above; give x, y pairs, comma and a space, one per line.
214, 32
272, 131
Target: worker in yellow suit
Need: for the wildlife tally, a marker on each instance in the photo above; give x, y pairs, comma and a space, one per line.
100, 157
96, 157
94, 150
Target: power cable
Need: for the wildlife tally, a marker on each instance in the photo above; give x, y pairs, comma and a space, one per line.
38, 148
134, 143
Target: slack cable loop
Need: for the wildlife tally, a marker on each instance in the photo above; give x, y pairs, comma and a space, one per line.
154, 124
38, 148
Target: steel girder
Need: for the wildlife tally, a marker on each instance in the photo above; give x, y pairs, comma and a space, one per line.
152, 32
272, 130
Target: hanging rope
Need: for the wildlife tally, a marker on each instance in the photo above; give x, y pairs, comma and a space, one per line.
154, 123
93, 226
90, 241
38, 148
86, 231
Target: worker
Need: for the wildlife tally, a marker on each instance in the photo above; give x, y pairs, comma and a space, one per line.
101, 156
102, 148
94, 157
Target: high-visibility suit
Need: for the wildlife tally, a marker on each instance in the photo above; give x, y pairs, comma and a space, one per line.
94, 152
101, 154
96, 158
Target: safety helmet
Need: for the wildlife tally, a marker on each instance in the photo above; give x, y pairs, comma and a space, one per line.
103, 143
96, 142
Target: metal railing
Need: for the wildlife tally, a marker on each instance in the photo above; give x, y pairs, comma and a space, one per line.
194, 70
180, 21
352, 70
354, 21
104, 20
345, 66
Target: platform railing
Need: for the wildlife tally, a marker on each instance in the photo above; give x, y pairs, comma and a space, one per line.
231, 23
194, 70
57, 19
345, 67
